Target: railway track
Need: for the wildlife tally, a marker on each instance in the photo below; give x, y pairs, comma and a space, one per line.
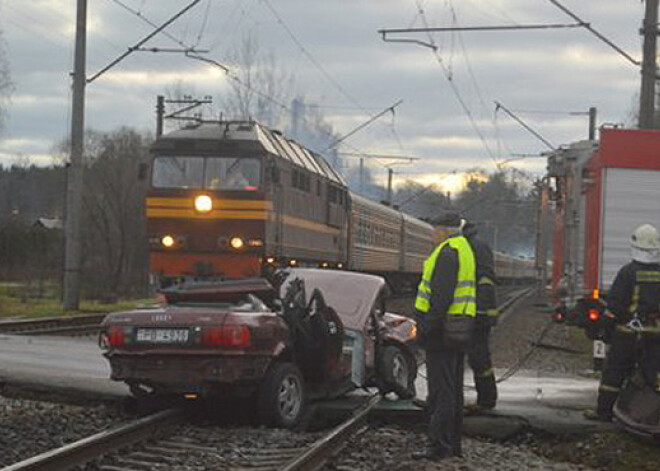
87, 324
162, 449
74, 325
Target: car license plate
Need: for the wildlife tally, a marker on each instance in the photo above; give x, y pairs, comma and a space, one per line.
162, 335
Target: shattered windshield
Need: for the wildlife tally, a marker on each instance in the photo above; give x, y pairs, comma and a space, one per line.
210, 173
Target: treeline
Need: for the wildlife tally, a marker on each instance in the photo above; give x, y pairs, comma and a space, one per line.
115, 255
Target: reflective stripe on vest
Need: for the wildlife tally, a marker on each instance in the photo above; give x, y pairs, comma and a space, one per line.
465, 293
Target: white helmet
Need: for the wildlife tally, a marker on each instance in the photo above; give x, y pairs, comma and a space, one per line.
645, 237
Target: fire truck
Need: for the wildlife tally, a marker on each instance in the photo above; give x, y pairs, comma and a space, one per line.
602, 191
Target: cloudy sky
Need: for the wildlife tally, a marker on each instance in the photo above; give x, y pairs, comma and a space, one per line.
549, 78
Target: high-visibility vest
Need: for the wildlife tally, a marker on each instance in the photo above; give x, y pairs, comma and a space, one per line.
465, 293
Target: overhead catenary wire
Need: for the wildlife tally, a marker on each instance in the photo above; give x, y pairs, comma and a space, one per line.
205, 20
320, 67
309, 55
143, 41
596, 33
548, 144
453, 86
190, 53
139, 14
389, 109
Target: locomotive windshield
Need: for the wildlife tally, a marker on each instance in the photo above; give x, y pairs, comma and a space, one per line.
209, 173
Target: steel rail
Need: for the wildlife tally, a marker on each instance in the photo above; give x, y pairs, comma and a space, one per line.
88, 448
511, 300
52, 324
319, 452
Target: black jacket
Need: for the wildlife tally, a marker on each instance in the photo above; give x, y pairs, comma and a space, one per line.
640, 278
483, 256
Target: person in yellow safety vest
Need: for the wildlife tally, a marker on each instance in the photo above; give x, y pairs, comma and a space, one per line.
479, 352
633, 310
445, 309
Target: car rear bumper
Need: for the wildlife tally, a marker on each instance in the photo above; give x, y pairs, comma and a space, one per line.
189, 374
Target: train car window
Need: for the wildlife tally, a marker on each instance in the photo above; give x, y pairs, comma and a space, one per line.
178, 172
212, 173
318, 187
226, 173
312, 162
294, 178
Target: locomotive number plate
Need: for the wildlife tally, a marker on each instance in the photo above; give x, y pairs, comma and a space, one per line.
162, 335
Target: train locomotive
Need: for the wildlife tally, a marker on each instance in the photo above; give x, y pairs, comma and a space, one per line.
234, 199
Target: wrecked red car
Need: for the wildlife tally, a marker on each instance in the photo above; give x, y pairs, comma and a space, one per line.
320, 334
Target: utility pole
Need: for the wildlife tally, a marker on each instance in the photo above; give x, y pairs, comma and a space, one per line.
400, 158
389, 185
72, 247
592, 123
72, 233
647, 94
160, 113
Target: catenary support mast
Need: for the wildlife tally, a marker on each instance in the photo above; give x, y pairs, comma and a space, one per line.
72, 250
647, 93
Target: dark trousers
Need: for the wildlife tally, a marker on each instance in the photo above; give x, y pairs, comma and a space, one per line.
626, 350
445, 400
480, 363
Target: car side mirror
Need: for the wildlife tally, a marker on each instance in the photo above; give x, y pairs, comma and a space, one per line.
143, 170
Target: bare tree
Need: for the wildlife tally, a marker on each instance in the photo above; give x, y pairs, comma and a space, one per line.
502, 205
115, 235
262, 89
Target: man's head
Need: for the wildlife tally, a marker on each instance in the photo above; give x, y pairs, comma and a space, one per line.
446, 224
645, 244
469, 229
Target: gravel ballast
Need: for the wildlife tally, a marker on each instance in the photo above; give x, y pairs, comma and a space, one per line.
28, 427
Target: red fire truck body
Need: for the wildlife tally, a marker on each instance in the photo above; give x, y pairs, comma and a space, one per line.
603, 192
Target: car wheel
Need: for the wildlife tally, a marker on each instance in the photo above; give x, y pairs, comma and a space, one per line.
396, 373
281, 400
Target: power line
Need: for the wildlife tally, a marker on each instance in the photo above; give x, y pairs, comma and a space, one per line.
142, 41
499, 106
139, 14
452, 85
389, 109
204, 22
319, 66
596, 33
309, 56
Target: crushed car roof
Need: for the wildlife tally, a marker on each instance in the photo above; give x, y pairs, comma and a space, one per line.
351, 294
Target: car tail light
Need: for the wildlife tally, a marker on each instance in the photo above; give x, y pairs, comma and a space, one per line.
116, 336
236, 336
593, 315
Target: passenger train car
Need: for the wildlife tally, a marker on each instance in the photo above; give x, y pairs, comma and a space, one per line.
235, 199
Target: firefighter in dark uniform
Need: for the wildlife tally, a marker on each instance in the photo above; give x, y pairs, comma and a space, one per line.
445, 308
479, 352
633, 307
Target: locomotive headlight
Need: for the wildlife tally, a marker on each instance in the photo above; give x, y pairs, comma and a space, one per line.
167, 241
236, 243
203, 203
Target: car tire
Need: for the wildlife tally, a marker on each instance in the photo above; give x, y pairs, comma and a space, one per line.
281, 398
396, 372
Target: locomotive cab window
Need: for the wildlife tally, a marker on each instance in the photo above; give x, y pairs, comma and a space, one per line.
210, 173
